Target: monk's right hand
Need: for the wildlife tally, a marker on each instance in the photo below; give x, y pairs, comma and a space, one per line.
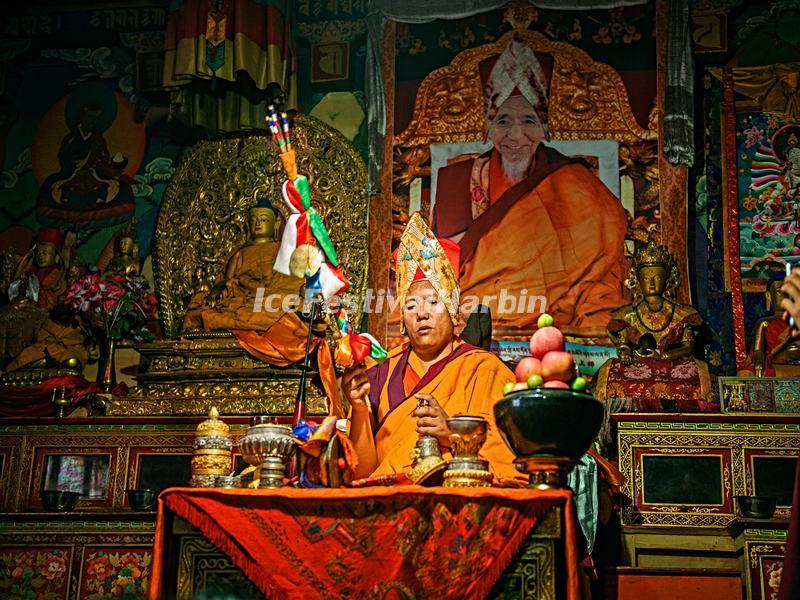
355, 386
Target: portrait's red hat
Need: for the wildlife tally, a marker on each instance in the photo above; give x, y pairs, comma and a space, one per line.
49, 235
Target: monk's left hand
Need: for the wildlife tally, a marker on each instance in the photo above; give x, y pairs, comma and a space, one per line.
432, 420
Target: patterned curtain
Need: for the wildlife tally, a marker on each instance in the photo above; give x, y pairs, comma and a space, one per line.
217, 50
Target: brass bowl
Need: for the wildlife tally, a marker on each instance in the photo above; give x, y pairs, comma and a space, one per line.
59, 501
756, 507
142, 500
467, 434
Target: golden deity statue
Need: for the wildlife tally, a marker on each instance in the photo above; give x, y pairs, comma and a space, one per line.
654, 337
30, 338
775, 352
250, 294
126, 252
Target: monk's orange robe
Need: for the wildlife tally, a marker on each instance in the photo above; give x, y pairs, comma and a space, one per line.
469, 381
559, 233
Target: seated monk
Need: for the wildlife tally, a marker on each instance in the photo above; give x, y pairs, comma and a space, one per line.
30, 337
249, 275
775, 352
434, 365
531, 221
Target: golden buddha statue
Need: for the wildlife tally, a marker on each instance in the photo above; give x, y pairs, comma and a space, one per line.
654, 337
126, 252
30, 338
775, 352
250, 293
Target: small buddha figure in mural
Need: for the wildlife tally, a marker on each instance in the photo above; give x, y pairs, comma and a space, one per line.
655, 336
126, 252
230, 302
775, 352
28, 335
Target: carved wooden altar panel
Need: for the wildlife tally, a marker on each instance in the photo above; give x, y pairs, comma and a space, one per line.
687, 470
75, 559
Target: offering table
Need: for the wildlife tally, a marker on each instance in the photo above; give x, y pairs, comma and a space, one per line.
405, 541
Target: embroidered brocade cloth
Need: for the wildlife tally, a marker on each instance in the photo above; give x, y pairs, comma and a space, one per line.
658, 384
404, 541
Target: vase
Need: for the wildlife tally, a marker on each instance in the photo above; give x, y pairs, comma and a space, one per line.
106, 369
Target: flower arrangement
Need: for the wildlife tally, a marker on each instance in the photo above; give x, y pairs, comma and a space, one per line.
120, 306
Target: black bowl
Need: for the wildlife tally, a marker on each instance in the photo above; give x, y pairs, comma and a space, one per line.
756, 507
59, 501
143, 500
549, 422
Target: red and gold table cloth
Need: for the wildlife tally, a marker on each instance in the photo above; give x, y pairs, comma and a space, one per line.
380, 542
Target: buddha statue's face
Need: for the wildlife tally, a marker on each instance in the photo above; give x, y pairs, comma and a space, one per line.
45, 255
652, 280
126, 245
262, 222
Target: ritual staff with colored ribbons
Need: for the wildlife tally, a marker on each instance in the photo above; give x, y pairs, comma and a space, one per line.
449, 375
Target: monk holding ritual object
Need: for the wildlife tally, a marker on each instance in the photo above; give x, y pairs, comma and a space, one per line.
429, 378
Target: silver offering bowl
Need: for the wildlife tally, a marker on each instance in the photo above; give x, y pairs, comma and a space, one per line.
268, 446
467, 436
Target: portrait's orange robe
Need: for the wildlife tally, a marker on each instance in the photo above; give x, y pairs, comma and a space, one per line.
468, 381
559, 233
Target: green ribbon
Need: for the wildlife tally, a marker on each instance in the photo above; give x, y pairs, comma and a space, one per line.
377, 353
315, 221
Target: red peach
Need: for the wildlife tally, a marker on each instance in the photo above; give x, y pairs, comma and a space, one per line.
555, 383
558, 365
546, 339
526, 367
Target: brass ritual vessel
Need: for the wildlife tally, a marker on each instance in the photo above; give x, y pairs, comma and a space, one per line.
212, 451
428, 465
468, 434
267, 447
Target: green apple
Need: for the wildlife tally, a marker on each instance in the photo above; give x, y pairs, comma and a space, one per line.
508, 388
545, 320
535, 381
578, 384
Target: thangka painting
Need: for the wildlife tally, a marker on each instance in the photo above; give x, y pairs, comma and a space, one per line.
529, 137
86, 150
768, 157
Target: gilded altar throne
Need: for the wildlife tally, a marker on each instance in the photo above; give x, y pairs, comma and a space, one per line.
203, 219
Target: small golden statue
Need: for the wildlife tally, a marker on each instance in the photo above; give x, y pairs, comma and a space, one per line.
775, 352
126, 252
654, 336
28, 336
250, 293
